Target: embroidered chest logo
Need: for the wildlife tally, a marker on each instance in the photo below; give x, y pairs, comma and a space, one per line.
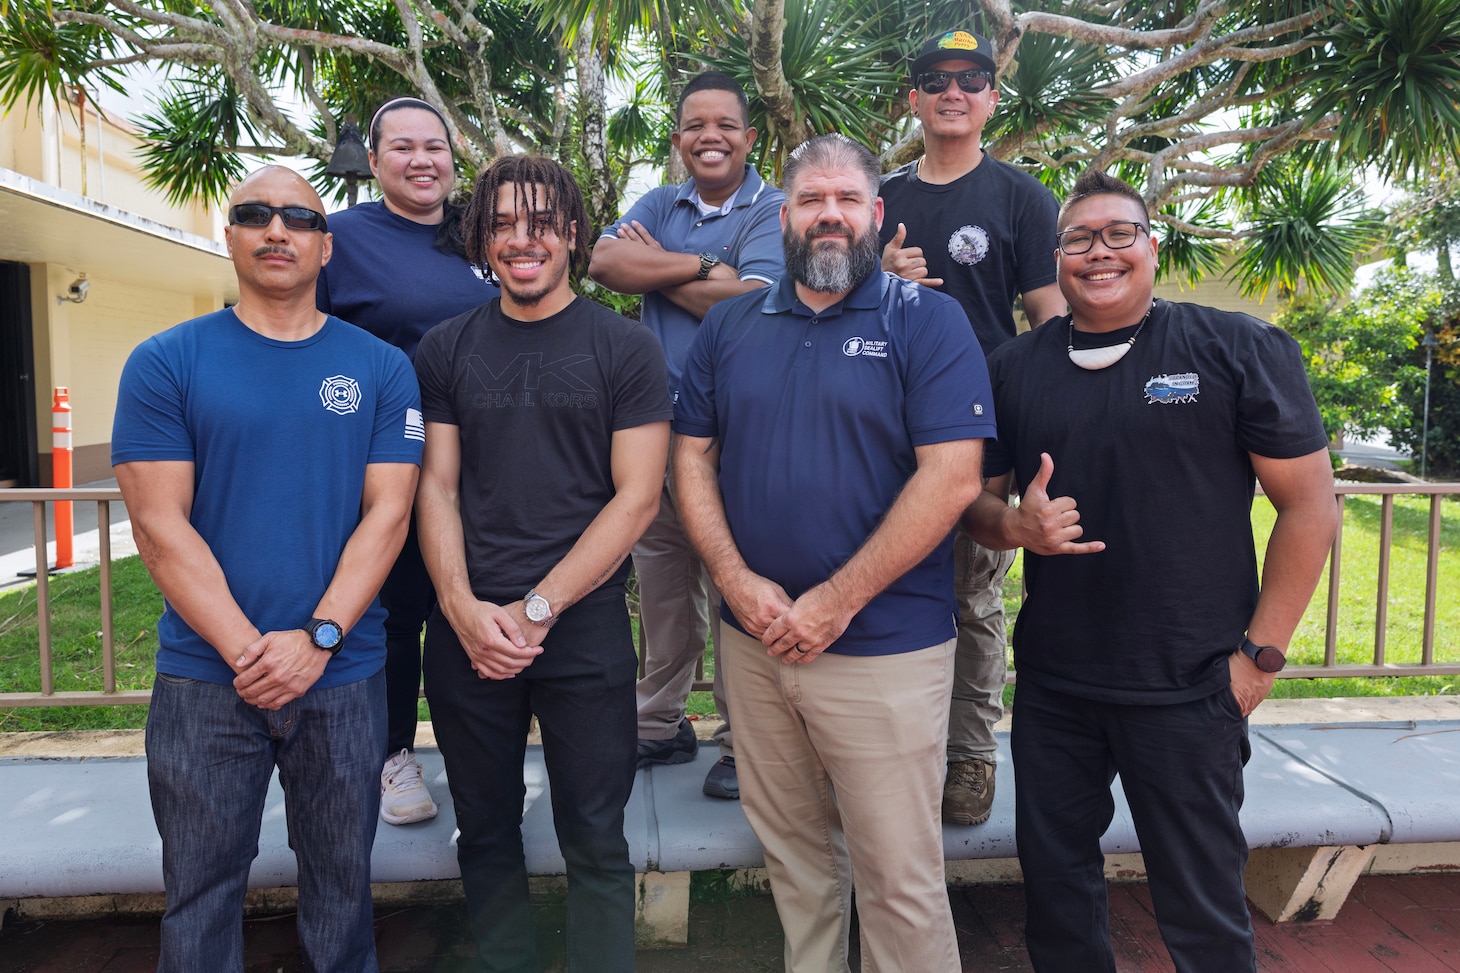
340, 395
1177, 389
854, 347
969, 244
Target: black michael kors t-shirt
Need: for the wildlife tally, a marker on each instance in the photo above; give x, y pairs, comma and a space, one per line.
536, 405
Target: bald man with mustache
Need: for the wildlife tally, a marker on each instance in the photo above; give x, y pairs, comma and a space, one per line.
268, 455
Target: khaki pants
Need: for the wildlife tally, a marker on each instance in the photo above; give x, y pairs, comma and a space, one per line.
981, 661
842, 774
678, 608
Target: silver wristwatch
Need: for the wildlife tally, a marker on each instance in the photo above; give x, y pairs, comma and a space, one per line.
537, 609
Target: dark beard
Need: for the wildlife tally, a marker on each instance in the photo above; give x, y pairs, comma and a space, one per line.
829, 269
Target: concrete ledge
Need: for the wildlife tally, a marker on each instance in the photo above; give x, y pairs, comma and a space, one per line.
1321, 800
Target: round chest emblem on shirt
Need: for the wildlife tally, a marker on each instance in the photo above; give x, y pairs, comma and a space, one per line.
852, 347
340, 394
969, 244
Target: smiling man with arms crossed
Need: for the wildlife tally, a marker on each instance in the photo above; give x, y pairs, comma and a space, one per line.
268, 455
685, 248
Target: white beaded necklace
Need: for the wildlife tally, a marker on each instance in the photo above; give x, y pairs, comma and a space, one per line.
1094, 359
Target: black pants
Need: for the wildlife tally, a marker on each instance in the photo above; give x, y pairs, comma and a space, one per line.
582, 690
408, 598
1181, 768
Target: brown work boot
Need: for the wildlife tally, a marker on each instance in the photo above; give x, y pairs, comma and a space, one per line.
968, 792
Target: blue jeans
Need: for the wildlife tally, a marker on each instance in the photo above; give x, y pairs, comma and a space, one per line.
582, 690
1181, 768
209, 759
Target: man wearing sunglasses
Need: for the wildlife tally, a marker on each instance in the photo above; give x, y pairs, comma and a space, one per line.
981, 231
1137, 429
268, 455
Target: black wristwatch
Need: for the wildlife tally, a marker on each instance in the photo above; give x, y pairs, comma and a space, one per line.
1265, 657
707, 264
326, 634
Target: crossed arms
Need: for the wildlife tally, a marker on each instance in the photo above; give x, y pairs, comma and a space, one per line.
636, 263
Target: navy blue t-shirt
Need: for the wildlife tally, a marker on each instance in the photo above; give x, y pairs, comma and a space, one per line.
386, 276
279, 434
818, 416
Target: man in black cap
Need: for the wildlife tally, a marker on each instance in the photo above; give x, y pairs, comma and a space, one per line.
981, 231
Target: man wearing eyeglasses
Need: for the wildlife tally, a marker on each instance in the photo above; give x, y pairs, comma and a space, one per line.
268, 456
1137, 429
981, 231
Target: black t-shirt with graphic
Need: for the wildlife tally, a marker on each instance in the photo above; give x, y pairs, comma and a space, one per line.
537, 404
1154, 450
990, 235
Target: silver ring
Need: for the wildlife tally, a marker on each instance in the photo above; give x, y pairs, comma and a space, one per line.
797, 648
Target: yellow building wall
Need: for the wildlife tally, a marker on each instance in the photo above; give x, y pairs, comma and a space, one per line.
84, 346
45, 144
1218, 292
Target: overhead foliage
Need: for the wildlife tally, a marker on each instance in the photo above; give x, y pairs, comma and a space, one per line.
1190, 100
1308, 224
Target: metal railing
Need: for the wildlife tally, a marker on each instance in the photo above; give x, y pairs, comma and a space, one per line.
1380, 666
1427, 666
109, 695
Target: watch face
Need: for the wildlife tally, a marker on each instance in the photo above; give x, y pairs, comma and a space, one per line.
327, 635
1270, 659
536, 608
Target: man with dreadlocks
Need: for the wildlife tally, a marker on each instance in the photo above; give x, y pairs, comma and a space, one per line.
546, 436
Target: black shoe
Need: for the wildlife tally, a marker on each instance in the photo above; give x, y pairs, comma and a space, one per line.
678, 749
721, 780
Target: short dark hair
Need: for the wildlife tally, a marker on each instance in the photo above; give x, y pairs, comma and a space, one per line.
1094, 182
831, 152
714, 81
527, 172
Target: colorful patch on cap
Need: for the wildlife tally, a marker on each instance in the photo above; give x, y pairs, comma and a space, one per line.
958, 40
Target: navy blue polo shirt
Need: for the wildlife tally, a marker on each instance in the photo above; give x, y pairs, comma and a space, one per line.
818, 415
745, 233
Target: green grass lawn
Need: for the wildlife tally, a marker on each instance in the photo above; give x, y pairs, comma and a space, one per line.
76, 625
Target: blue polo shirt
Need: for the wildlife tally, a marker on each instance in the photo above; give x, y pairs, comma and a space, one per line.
818, 416
745, 233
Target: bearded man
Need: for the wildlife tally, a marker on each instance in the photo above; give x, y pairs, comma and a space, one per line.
830, 431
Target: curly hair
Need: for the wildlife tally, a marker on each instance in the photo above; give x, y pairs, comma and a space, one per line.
538, 185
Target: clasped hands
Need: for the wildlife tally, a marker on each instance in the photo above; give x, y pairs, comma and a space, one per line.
797, 631
499, 640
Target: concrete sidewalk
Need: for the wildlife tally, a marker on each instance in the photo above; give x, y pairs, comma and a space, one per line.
17, 536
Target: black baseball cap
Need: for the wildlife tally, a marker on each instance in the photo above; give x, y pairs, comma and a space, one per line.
955, 45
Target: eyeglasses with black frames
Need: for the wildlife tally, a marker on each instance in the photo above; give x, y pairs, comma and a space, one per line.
1116, 236
971, 81
262, 214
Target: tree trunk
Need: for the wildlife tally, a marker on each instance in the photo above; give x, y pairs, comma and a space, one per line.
767, 25
600, 195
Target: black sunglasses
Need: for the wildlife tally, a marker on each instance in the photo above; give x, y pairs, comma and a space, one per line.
262, 214
971, 81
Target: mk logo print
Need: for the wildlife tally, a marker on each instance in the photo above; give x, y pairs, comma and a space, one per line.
528, 381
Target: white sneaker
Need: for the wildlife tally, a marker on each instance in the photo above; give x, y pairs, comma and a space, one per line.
403, 795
